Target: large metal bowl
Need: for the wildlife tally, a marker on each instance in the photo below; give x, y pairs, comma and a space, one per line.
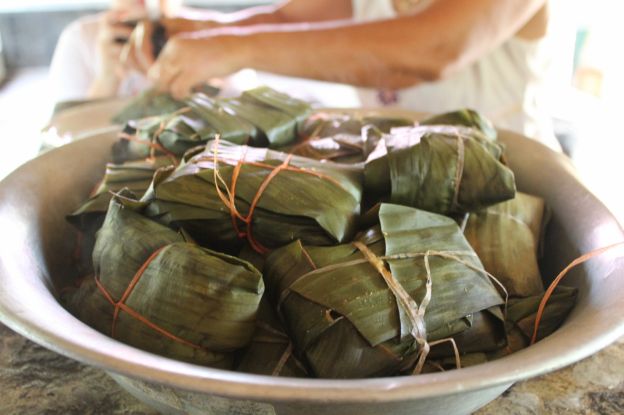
35, 262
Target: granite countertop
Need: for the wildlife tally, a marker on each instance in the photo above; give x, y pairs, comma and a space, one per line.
34, 380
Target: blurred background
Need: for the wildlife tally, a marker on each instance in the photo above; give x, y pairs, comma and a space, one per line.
587, 80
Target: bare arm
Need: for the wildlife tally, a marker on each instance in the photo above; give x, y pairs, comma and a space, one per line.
395, 53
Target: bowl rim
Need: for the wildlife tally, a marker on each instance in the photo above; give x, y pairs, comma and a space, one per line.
33, 322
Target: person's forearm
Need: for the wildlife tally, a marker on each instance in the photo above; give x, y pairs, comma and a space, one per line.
392, 53
349, 54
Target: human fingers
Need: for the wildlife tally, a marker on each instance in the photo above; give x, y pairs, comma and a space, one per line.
164, 75
166, 66
182, 84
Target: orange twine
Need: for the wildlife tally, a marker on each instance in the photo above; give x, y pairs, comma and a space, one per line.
583, 258
154, 144
229, 197
120, 305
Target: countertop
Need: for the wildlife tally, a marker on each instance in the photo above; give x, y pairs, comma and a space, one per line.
34, 380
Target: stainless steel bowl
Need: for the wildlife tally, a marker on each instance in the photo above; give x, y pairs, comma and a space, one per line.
35, 262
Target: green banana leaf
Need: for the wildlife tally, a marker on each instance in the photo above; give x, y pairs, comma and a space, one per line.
147, 104
327, 124
270, 351
339, 148
265, 96
135, 176
521, 312
442, 169
343, 317
261, 117
318, 202
485, 332
464, 117
506, 236
341, 137
192, 303
201, 120
274, 128
275, 115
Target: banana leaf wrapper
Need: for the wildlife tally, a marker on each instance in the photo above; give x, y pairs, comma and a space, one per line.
506, 236
442, 169
276, 116
270, 350
521, 312
343, 317
484, 332
339, 148
464, 117
340, 137
317, 202
273, 127
327, 124
147, 104
263, 95
159, 293
201, 120
136, 176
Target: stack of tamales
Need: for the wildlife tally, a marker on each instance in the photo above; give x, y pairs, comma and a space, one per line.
254, 235
260, 117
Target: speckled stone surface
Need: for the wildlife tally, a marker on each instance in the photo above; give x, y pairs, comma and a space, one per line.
34, 380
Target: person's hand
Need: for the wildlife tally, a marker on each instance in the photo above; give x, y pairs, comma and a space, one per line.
138, 52
112, 35
190, 59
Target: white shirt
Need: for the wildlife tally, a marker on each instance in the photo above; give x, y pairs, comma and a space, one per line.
75, 62
506, 85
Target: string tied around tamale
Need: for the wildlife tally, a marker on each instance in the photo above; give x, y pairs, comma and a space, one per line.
551, 288
121, 305
154, 143
414, 311
451, 255
229, 197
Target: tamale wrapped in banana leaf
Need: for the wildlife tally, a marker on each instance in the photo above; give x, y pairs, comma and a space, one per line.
157, 292
275, 116
270, 351
464, 117
201, 120
340, 137
441, 169
230, 193
260, 117
506, 236
265, 96
339, 148
327, 124
369, 308
135, 176
147, 104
